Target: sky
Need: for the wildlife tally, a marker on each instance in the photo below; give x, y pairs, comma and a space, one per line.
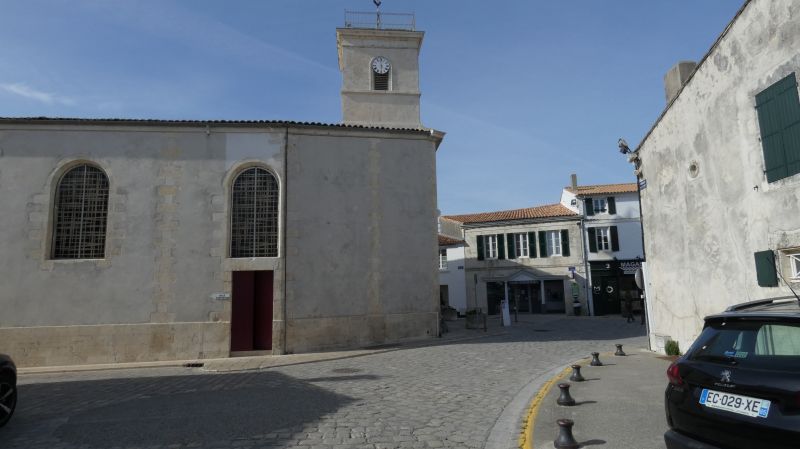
528, 91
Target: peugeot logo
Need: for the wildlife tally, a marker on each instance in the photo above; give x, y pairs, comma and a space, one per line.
726, 376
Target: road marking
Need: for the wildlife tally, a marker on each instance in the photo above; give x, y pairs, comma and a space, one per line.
526, 435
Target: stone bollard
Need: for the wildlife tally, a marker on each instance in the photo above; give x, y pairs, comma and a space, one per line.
596, 359
576, 374
565, 440
619, 352
565, 398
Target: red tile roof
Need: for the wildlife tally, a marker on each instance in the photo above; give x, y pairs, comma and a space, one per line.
548, 211
445, 240
602, 189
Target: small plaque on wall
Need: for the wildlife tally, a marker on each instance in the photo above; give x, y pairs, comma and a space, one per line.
221, 296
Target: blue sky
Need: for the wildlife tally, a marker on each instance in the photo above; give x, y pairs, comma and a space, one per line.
528, 92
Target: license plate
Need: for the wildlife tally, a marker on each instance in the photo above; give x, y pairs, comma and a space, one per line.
743, 405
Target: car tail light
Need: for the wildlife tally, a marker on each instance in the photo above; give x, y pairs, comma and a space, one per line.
674, 375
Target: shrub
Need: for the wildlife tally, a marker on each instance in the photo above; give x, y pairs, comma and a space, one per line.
672, 348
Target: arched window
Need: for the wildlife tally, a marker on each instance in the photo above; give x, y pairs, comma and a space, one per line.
254, 214
80, 215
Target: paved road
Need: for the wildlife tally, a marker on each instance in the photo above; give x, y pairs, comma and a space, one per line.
463, 394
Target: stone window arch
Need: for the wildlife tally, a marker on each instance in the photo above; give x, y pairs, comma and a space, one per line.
254, 214
80, 214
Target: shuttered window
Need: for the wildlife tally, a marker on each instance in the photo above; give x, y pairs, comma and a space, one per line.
80, 215
603, 239
766, 274
779, 119
522, 246
554, 243
254, 214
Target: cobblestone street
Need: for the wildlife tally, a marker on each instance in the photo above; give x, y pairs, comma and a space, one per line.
457, 394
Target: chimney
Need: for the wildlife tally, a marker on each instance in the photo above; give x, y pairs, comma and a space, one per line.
676, 77
574, 179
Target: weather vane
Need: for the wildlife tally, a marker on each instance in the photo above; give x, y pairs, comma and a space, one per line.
378, 11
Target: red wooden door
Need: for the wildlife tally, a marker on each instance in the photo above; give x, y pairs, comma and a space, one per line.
251, 311
262, 311
242, 311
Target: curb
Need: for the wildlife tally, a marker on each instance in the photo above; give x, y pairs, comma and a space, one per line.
526, 433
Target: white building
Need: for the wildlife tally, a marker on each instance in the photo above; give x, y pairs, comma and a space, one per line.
722, 167
137, 240
612, 241
452, 286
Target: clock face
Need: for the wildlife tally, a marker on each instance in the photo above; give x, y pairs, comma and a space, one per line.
381, 65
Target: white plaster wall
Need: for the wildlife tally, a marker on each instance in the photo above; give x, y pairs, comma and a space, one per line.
166, 242
701, 233
454, 278
361, 240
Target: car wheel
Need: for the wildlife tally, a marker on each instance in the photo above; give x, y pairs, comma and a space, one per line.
8, 398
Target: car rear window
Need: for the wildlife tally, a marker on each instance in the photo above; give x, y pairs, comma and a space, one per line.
767, 345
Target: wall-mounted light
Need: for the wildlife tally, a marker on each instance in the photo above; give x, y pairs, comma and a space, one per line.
573, 202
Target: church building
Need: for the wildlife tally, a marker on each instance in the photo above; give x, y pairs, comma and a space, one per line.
147, 240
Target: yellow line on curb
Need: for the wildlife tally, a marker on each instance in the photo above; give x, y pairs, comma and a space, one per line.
526, 435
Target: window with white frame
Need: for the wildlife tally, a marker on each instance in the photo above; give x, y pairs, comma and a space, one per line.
521, 244
794, 265
443, 258
491, 246
602, 239
599, 205
553, 243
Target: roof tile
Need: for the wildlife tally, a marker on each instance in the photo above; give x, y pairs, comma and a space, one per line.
601, 189
548, 211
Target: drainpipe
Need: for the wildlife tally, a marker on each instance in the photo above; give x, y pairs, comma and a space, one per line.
588, 283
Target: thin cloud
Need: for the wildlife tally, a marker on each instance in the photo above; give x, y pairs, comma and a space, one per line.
25, 91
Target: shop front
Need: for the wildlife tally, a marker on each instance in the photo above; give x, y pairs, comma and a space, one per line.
614, 283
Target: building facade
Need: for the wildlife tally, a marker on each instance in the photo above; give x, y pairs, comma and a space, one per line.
140, 240
530, 258
612, 241
721, 169
452, 288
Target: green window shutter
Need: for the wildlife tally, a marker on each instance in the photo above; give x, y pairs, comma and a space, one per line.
565, 243
765, 269
614, 239
532, 244
479, 240
542, 244
589, 206
779, 120
501, 247
612, 205
512, 250
592, 240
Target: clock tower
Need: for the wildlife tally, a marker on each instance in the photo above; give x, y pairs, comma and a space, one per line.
380, 70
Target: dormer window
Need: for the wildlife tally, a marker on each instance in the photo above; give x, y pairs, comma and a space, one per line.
381, 73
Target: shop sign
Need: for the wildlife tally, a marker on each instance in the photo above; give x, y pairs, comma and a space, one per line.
629, 267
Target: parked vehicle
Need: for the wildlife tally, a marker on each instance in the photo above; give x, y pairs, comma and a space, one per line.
738, 386
8, 388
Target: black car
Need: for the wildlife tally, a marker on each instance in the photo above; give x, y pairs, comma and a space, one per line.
8, 388
738, 386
